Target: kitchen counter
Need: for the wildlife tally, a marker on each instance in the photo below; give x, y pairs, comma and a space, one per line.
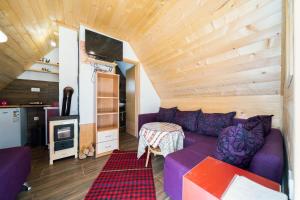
25, 106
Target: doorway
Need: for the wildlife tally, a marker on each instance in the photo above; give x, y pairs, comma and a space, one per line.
129, 96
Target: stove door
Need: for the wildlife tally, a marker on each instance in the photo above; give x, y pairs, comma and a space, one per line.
63, 132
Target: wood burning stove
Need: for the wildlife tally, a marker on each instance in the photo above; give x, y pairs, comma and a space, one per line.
63, 132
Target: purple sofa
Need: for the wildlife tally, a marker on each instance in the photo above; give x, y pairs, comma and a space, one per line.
268, 161
15, 165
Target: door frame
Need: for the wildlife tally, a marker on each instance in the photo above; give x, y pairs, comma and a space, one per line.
137, 91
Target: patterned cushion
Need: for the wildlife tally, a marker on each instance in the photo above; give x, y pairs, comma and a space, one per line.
166, 114
213, 123
237, 146
187, 119
266, 121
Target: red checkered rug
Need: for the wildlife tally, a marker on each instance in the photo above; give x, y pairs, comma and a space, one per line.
124, 177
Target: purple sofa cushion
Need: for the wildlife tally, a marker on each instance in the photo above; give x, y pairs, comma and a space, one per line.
147, 118
194, 138
237, 146
266, 120
212, 123
269, 160
187, 119
166, 114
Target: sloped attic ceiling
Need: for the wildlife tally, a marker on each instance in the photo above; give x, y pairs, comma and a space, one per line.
187, 47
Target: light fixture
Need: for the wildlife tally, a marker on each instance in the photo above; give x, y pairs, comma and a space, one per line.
92, 52
3, 37
53, 43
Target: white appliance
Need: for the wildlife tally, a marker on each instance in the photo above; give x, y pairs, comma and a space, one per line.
13, 127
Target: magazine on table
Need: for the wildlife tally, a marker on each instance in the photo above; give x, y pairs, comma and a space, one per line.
242, 188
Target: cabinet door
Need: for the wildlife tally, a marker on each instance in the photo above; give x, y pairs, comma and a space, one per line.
130, 102
107, 136
106, 146
10, 131
36, 126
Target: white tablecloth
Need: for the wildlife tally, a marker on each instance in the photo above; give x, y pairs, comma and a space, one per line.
167, 136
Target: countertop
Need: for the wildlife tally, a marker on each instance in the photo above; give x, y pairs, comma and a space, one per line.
25, 106
58, 118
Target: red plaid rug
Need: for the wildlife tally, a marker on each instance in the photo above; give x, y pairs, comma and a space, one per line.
124, 177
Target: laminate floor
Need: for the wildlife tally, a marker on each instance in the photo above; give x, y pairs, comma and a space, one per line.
71, 178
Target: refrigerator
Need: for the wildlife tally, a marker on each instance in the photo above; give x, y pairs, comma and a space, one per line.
13, 127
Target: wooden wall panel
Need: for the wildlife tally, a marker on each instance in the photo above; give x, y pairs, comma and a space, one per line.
288, 86
19, 92
87, 135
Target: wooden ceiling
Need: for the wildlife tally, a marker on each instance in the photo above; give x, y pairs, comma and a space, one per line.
187, 47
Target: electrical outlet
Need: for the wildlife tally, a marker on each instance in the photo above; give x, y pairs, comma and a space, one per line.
36, 118
35, 89
291, 185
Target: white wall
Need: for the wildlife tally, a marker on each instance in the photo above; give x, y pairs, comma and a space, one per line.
40, 76
149, 100
86, 88
68, 65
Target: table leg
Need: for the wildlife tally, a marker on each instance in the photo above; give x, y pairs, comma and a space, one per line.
148, 155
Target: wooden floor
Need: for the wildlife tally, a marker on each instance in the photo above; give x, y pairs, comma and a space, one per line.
71, 178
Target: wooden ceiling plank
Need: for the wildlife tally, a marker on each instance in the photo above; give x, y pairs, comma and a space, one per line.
82, 11
19, 48
144, 29
270, 73
204, 31
67, 11
14, 21
25, 11
96, 13
239, 64
207, 52
200, 18
242, 22
263, 88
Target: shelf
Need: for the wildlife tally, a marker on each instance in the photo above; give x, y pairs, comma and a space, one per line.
107, 97
107, 108
41, 71
107, 113
50, 64
106, 128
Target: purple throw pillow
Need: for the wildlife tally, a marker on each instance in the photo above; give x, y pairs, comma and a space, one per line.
166, 114
213, 123
237, 146
266, 121
187, 119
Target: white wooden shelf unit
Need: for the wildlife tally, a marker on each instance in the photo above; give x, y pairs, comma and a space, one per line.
107, 113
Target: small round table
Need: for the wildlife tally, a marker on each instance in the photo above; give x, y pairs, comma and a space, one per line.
161, 138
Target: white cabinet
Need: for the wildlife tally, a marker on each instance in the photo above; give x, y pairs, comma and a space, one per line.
107, 135
108, 146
